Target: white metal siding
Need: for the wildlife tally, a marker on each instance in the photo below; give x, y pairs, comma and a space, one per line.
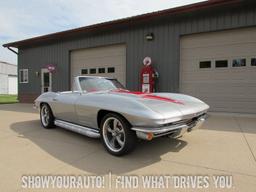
6, 69
230, 89
101, 57
3, 84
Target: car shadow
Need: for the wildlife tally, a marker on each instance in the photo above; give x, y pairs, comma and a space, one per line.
18, 107
88, 154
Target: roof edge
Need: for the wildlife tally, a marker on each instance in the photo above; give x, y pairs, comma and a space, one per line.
7, 63
171, 11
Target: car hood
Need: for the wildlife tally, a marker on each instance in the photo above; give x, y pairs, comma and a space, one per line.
169, 105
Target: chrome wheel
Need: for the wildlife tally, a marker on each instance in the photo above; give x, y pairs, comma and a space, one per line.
45, 115
114, 134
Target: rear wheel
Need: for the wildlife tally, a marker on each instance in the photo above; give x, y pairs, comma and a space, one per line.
116, 135
46, 116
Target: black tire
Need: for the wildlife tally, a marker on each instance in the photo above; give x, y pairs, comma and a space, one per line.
130, 138
49, 123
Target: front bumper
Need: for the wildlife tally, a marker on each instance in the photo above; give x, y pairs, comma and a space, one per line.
174, 130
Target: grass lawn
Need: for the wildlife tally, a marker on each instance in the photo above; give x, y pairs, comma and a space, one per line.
4, 99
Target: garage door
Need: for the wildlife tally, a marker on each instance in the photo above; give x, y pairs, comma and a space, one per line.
220, 68
108, 61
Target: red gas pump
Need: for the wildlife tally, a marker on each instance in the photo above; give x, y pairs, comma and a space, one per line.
148, 75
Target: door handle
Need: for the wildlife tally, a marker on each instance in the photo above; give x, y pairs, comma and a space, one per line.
55, 99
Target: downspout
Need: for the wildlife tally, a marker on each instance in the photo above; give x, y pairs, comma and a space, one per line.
12, 50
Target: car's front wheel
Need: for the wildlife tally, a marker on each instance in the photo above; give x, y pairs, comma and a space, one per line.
116, 135
46, 116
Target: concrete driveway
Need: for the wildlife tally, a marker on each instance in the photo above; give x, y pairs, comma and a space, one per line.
225, 145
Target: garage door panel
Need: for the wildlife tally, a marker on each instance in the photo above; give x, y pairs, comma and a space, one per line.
195, 77
81, 59
226, 101
101, 52
242, 73
102, 61
230, 89
234, 90
242, 107
226, 37
227, 98
229, 75
209, 52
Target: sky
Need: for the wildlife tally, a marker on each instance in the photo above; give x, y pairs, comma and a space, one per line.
21, 19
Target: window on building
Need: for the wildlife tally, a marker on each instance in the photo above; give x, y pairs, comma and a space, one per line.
93, 71
84, 71
221, 63
101, 70
239, 63
204, 64
23, 75
111, 69
253, 62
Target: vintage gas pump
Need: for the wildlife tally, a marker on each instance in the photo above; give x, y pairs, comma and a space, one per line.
148, 76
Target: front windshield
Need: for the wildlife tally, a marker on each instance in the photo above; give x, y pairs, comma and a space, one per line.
99, 84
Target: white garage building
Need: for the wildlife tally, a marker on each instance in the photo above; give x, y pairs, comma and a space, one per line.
8, 78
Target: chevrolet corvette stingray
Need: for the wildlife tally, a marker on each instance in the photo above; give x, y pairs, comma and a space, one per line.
101, 107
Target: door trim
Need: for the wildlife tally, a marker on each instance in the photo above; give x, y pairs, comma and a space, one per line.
44, 70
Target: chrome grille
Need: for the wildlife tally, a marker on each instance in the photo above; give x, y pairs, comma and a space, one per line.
184, 121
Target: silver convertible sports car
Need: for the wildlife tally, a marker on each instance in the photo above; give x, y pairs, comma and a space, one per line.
102, 107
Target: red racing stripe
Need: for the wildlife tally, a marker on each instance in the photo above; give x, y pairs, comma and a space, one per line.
155, 97
149, 96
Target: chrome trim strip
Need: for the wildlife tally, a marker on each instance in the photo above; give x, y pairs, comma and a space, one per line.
158, 130
161, 131
78, 128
